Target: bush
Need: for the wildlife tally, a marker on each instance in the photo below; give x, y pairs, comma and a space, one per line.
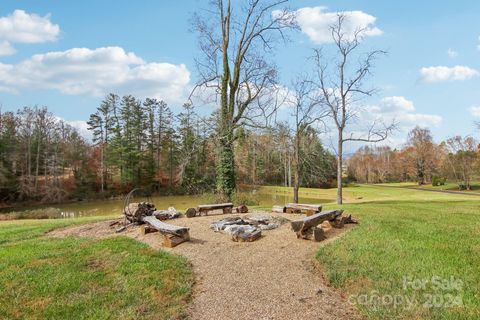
438, 181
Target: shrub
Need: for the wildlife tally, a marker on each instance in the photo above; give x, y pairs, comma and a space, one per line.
438, 181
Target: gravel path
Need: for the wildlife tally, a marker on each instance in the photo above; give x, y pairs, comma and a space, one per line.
271, 278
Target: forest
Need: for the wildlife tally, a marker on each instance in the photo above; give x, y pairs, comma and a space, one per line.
144, 144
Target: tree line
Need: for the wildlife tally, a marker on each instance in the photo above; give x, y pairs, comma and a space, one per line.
142, 143
420, 159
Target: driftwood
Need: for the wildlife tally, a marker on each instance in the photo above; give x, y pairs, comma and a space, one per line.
299, 207
279, 209
173, 235
304, 228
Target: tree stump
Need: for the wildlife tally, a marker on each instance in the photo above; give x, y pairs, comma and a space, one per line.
191, 212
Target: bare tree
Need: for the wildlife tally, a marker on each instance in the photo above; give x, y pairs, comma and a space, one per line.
234, 44
304, 101
343, 86
462, 157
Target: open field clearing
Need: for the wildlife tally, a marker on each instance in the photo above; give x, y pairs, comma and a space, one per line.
404, 236
84, 278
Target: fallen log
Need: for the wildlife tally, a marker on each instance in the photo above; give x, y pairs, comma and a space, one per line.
173, 235
314, 220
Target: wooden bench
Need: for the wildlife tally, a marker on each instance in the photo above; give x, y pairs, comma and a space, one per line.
206, 208
173, 235
309, 209
306, 228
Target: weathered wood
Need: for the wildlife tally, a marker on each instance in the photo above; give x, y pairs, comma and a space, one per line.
191, 212
136, 211
298, 207
242, 209
318, 234
172, 235
337, 223
171, 240
145, 229
215, 206
279, 209
314, 220
205, 208
165, 227
247, 236
349, 219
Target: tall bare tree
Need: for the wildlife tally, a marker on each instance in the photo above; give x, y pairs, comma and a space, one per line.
304, 101
341, 81
235, 44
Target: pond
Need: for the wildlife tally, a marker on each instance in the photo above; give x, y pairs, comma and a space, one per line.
258, 196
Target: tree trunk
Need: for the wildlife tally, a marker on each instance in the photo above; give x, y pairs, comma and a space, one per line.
297, 167
226, 167
339, 168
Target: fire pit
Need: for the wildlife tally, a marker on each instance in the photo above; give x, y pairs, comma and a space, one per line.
247, 228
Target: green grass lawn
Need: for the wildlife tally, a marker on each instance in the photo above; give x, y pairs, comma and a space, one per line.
449, 185
412, 235
78, 278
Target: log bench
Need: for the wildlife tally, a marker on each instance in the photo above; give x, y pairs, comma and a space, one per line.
306, 228
206, 208
309, 209
172, 235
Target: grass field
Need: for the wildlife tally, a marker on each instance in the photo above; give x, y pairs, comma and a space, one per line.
414, 255
449, 186
406, 237
78, 278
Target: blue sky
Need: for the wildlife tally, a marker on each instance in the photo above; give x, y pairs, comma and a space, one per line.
442, 37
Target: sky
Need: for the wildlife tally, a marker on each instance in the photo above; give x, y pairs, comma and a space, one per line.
68, 54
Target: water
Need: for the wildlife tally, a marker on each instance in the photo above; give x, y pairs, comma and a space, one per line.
262, 196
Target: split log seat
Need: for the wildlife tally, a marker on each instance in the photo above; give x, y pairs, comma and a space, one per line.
309, 209
173, 235
206, 208
306, 228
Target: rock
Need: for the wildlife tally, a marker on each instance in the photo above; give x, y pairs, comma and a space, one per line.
269, 226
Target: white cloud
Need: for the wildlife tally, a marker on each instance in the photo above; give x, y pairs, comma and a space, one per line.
452, 53
396, 103
6, 48
475, 111
82, 128
22, 27
315, 22
401, 110
95, 72
442, 73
